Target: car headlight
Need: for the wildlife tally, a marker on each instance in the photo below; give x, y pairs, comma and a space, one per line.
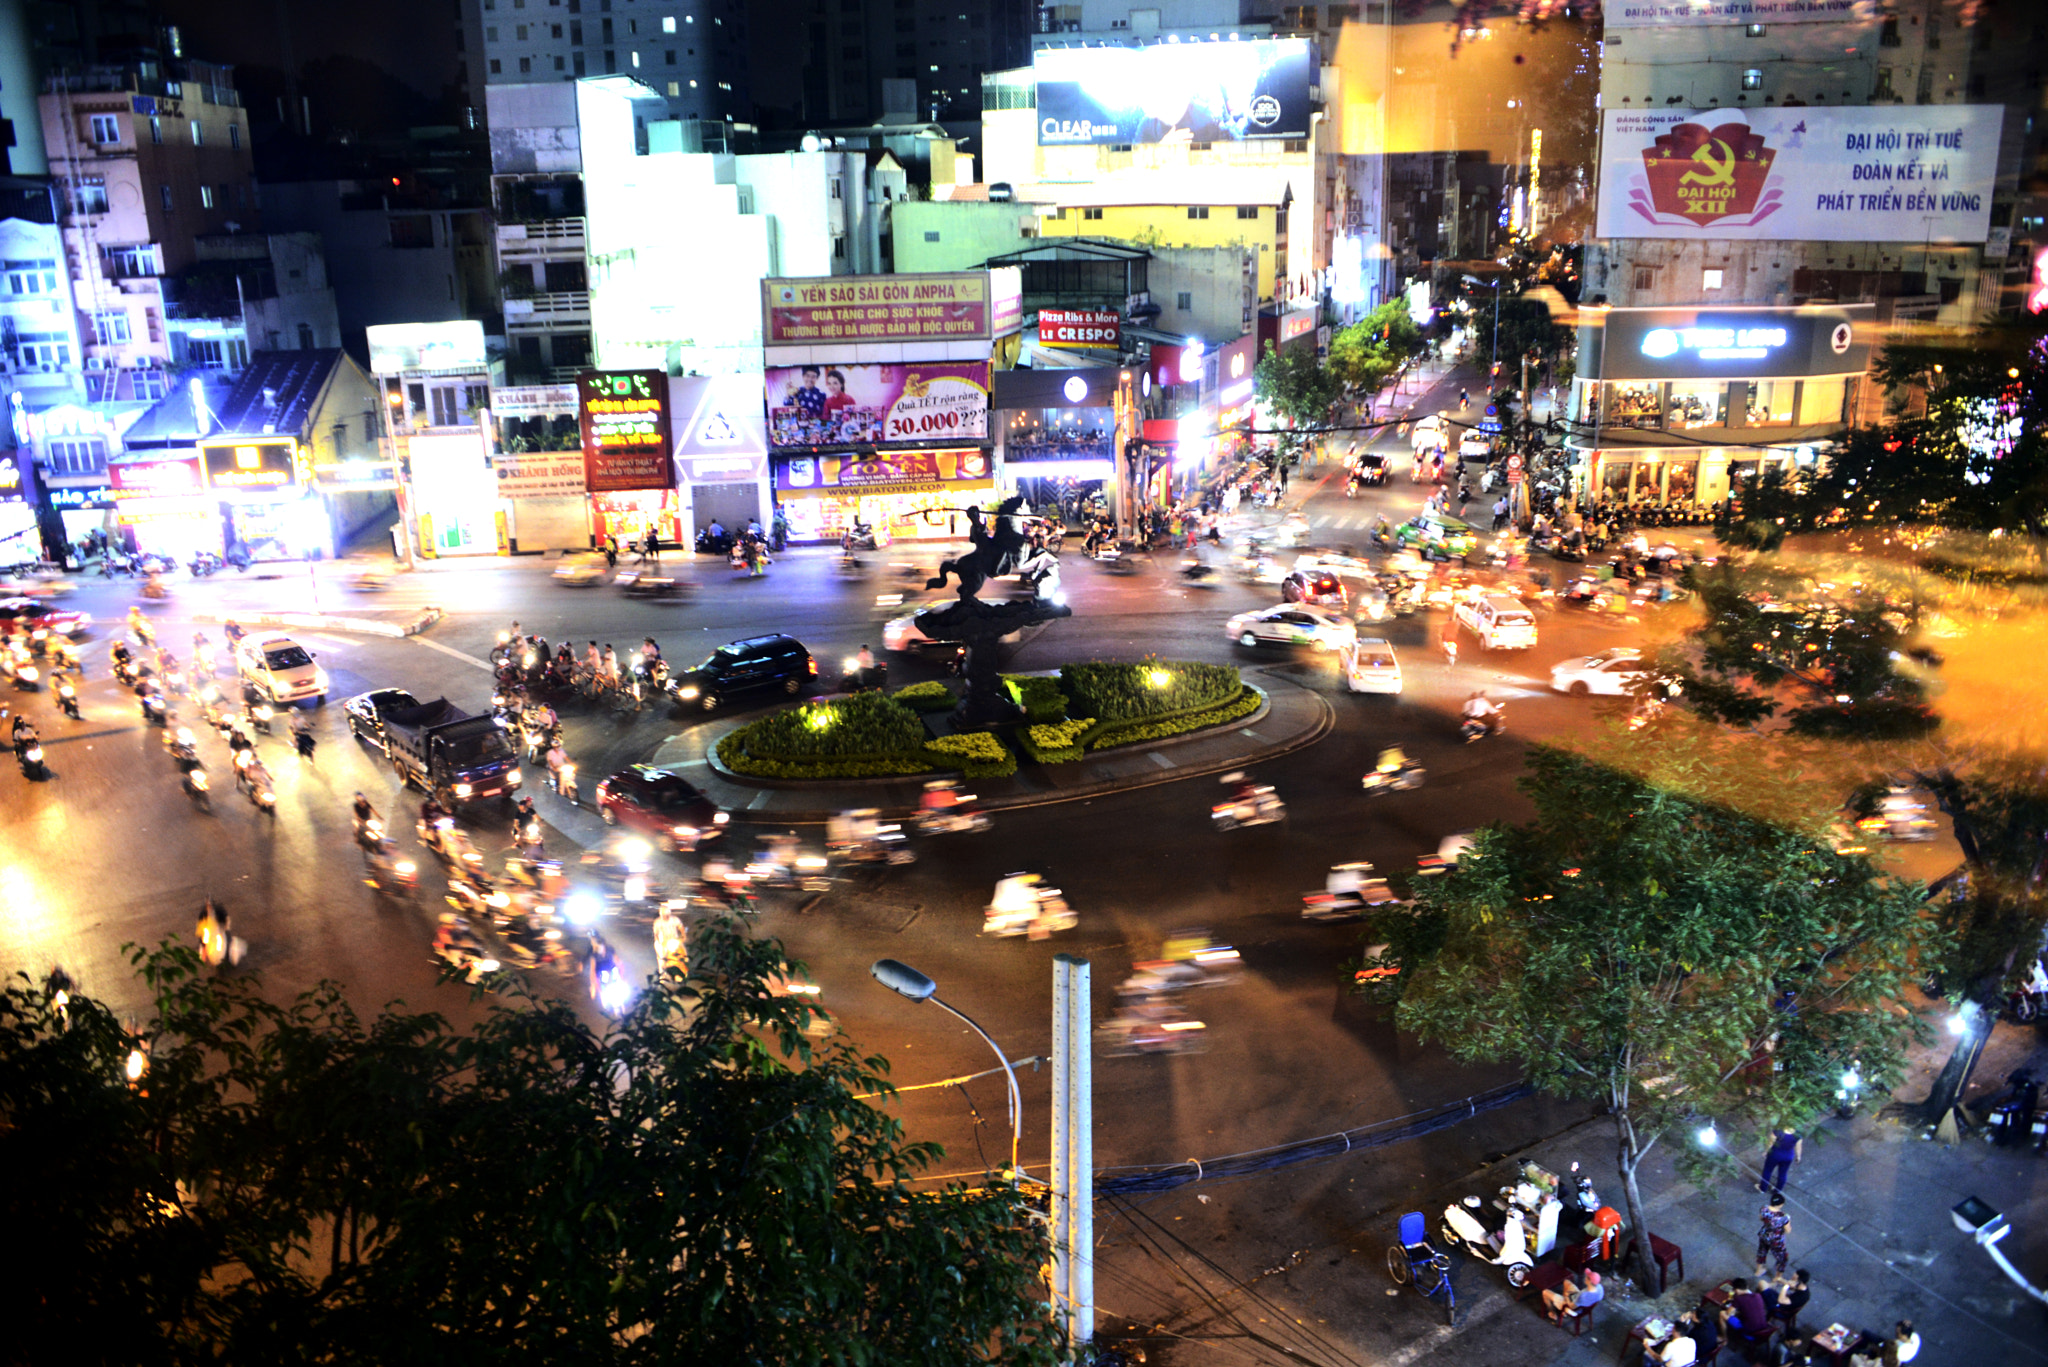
320, 679
688, 691
719, 819
514, 779
462, 790
684, 832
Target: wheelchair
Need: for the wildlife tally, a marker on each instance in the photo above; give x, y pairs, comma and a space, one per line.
1416, 1262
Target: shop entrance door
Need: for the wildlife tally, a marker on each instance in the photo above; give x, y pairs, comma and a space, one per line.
732, 506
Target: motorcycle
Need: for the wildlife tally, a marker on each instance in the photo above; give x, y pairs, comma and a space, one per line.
261, 795
462, 951
1509, 1248
384, 871
216, 945
1407, 776
1351, 892
67, 699
154, 587
27, 678
858, 837
860, 537
956, 819
259, 715
1261, 806
198, 787
156, 709
449, 844
856, 677
1022, 905
1479, 728
184, 748
30, 756
205, 563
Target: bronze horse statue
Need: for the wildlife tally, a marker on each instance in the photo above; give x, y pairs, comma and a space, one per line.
996, 552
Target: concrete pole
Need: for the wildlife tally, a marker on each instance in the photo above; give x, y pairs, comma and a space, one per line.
1073, 1150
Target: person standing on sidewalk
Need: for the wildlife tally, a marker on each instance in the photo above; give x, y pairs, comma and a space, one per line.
1775, 1226
1779, 1158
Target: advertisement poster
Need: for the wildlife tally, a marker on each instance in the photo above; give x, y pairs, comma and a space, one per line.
624, 419
876, 308
171, 478
1197, 92
1893, 173
1701, 13
539, 474
450, 347
884, 472
1077, 327
821, 407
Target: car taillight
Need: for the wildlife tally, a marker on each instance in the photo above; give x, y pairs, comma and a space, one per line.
812, 663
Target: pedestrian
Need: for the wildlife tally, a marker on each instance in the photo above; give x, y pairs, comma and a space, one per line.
1775, 1226
1450, 646
654, 545
1779, 1158
611, 551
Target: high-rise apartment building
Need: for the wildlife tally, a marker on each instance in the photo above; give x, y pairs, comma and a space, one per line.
691, 53
943, 45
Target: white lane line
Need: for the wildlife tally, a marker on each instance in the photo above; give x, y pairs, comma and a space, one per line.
484, 665
1159, 759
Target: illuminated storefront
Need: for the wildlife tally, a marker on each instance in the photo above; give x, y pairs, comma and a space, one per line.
1056, 434
267, 508
454, 493
912, 495
82, 509
1681, 406
623, 417
161, 504
721, 453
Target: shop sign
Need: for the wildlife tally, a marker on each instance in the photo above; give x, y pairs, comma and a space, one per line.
11, 482
1234, 366
824, 407
353, 475
1706, 13
533, 401
540, 474
2037, 291
251, 465
884, 472
131, 515
100, 496
453, 346
1006, 295
1299, 323
944, 305
154, 478
1204, 92
1740, 343
720, 469
1883, 173
1078, 327
623, 415
719, 421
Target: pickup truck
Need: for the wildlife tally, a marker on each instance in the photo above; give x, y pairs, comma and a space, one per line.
443, 750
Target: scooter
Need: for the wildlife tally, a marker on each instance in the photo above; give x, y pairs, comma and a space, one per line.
67, 699
1479, 728
1403, 779
199, 788
1351, 892
1509, 1248
1260, 807
31, 757
1022, 906
958, 819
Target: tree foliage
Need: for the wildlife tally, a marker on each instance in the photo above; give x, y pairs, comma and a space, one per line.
1671, 958
697, 1183
1297, 386
1372, 350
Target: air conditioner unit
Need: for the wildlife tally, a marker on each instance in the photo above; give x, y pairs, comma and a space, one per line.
95, 363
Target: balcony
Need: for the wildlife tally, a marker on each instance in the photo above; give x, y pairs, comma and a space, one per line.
542, 239
547, 312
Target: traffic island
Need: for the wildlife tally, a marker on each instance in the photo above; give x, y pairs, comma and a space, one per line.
769, 768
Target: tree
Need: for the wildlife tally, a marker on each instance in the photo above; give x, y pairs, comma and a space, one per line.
1376, 347
1297, 386
1674, 958
696, 1183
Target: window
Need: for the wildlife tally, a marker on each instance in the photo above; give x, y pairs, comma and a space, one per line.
1092, 215
633, 28
491, 33
611, 63
106, 129
89, 199
1888, 36
1646, 278
305, 336
110, 329
838, 248
43, 350
554, 30
576, 31
1770, 403
1184, 301
1697, 403
198, 133
836, 189
206, 196
1247, 211
151, 384
156, 130
31, 277
930, 236
1933, 33
1753, 78
525, 65
561, 64
668, 57
1883, 89
636, 60
1198, 211
235, 136
1294, 145
164, 194
126, 263
675, 89
520, 33
497, 67
607, 25
1710, 278
76, 455
576, 63
668, 23
203, 352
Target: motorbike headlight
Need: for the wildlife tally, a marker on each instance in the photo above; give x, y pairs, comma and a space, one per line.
30, 674
499, 899
35, 754
199, 779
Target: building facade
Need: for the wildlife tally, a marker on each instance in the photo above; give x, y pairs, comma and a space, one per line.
692, 57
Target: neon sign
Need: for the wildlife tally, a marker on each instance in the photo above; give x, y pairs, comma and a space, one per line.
1714, 344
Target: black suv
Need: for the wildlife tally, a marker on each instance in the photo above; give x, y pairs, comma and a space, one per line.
755, 665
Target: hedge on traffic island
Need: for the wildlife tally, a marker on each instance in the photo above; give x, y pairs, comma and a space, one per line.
867, 735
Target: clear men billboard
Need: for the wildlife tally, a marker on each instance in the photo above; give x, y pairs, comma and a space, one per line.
1887, 173
1197, 92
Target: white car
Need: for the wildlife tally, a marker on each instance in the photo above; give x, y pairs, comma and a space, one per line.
1611, 673
1292, 624
1343, 564
1369, 666
1500, 622
282, 668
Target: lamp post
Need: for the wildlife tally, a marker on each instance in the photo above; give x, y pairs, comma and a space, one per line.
1986, 1226
906, 981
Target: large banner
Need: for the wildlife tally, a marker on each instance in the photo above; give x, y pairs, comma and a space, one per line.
824, 407
876, 308
1198, 92
624, 419
1894, 173
1701, 13
883, 472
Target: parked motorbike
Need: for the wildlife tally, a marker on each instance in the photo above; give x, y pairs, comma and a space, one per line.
1507, 1247
205, 563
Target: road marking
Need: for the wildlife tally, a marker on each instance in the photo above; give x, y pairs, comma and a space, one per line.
484, 665
1159, 759
1247, 731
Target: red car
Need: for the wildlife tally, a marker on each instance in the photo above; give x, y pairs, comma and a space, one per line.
661, 806
32, 614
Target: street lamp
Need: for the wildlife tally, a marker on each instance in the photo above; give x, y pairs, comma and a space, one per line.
906, 981
1985, 1225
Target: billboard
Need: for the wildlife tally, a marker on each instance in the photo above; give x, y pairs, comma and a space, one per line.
623, 415
251, 465
1702, 13
1739, 343
1197, 92
882, 472
1893, 173
539, 474
172, 477
940, 305
1077, 327
823, 407
454, 346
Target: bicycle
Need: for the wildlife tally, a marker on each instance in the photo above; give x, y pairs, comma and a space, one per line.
1415, 1261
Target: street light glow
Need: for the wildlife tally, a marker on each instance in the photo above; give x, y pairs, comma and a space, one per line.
1708, 1136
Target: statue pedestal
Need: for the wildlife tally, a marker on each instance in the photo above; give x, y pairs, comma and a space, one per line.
981, 627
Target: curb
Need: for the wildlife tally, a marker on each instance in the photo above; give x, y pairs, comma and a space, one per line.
699, 747
318, 622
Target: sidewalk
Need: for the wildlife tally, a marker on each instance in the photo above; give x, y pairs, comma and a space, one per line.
1293, 717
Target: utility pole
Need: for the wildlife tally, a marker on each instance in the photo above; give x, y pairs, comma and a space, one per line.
1073, 1150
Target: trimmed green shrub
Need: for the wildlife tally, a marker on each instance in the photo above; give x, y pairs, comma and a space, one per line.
977, 754
1039, 695
734, 755
865, 725
1056, 742
1243, 705
1135, 692
929, 696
